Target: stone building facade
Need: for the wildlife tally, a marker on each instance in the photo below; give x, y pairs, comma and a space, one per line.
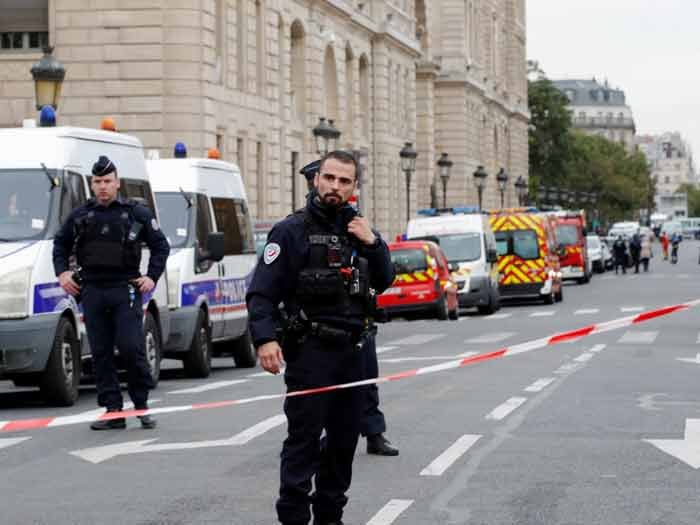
252, 77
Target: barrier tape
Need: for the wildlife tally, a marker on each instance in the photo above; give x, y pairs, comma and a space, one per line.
563, 337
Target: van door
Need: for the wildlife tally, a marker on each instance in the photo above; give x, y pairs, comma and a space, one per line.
208, 272
238, 263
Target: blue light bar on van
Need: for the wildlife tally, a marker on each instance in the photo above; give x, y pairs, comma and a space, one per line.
433, 212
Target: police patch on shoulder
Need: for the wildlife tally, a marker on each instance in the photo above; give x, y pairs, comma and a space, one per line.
154, 225
272, 251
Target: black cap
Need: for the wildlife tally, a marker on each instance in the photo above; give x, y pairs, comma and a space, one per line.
103, 167
310, 170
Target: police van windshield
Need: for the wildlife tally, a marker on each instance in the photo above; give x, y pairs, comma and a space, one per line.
408, 261
461, 247
26, 203
175, 217
567, 234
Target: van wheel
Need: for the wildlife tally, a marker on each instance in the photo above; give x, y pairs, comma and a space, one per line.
243, 352
549, 298
197, 360
59, 381
441, 311
489, 308
153, 347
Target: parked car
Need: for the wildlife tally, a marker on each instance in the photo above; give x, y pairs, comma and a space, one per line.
608, 261
595, 253
423, 283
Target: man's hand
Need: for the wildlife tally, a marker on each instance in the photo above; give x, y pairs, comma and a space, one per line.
360, 228
270, 355
145, 284
68, 284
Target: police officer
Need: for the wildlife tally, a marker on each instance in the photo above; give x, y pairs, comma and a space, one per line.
325, 264
373, 421
107, 233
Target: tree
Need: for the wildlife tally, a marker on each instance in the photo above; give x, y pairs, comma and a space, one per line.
693, 198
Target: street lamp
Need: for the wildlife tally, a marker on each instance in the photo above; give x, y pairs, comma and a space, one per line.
326, 135
521, 189
408, 164
480, 181
444, 166
502, 178
48, 76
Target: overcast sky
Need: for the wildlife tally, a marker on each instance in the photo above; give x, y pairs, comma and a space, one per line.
648, 48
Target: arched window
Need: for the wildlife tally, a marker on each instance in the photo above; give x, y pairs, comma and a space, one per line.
330, 84
364, 95
298, 69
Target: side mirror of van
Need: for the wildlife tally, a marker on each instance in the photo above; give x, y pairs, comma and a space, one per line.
491, 256
215, 246
453, 267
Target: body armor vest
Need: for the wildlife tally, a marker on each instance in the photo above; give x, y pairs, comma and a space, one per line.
334, 285
106, 244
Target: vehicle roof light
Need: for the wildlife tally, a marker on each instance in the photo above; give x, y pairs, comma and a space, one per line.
213, 153
47, 117
180, 151
108, 124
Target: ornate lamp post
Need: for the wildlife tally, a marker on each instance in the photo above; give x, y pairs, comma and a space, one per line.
48, 76
521, 189
480, 182
502, 178
444, 167
408, 164
326, 136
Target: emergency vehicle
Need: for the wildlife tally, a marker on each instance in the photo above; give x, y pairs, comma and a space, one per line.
204, 214
528, 261
423, 283
44, 174
571, 240
464, 234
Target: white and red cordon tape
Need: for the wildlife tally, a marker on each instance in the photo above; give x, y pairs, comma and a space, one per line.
563, 337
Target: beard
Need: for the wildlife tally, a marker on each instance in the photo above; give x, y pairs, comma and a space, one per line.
332, 200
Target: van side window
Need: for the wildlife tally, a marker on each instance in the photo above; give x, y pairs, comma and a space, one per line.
139, 190
202, 229
233, 221
72, 193
246, 226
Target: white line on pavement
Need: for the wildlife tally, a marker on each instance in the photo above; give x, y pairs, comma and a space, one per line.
634, 337
428, 358
587, 356
565, 369
4, 443
632, 309
496, 317
540, 384
546, 313
586, 311
467, 354
501, 411
597, 348
390, 512
417, 339
208, 386
496, 337
452, 454
382, 349
91, 415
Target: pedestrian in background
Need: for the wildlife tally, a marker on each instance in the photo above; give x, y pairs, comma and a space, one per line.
664, 244
107, 233
646, 253
620, 253
675, 245
325, 264
635, 251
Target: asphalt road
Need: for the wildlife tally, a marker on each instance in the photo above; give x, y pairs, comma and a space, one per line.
599, 431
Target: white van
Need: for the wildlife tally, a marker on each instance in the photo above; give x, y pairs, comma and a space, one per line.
44, 174
202, 204
466, 238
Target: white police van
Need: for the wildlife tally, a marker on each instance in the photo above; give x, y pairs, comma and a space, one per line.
44, 174
465, 236
204, 213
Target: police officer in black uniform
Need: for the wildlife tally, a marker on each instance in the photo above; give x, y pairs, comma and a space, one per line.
107, 233
373, 421
325, 264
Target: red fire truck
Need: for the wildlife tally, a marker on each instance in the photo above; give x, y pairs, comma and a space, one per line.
571, 241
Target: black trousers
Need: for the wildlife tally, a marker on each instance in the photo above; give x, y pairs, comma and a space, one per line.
373, 421
339, 413
111, 321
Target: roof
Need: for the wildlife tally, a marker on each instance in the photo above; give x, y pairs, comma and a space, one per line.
590, 93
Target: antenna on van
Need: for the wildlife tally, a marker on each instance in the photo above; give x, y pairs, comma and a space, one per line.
52, 180
184, 196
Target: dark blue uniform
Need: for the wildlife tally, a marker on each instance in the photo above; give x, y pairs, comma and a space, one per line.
317, 362
108, 245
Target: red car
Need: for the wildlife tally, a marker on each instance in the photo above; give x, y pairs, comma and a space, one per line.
423, 282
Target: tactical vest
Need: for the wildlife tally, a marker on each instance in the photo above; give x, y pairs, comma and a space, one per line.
109, 245
334, 284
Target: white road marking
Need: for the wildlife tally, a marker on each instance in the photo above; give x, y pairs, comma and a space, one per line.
567, 368
427, 358
467, 354
634, 337
631, 308
495, 337
452, 454
597, 348
496, 317
587, 311
265, 374
90, 415
587, 356
208, 386
417, 339
382, 349
501, 411
546, 313
8, 442
540, 384
695, 361
390, 512
687, 449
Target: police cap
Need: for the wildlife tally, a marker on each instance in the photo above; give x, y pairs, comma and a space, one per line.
103, 167
310, 170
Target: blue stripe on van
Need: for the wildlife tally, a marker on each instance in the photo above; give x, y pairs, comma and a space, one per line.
50, 297
231, 292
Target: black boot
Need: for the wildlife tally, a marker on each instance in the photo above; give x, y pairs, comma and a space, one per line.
147, 422
378, 445
109, 424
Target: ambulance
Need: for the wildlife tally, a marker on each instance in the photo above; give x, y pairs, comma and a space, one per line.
45, 173
465, 236
528, 261
204, 214
571, 241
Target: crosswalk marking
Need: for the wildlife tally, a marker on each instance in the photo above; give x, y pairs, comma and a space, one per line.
501, 411
546, 313
390, 512
495, 337
496, 317
540, 384
417, 339
567, 368
631, 308
208, 386
440, 464
637, 337
8, 442
587, 311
